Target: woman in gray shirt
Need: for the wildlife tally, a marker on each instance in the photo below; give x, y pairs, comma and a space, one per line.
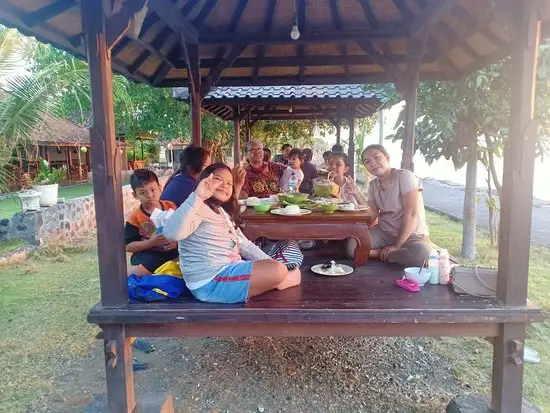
395, 195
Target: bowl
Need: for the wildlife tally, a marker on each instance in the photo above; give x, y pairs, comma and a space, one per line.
421, 277
350, 206
292, 198
329, 208
292, 210
262, 208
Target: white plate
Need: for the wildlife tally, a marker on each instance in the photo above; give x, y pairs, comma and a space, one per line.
359, 208
318, 270
282, 211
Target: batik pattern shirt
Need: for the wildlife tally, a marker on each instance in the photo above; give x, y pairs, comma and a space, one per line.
264, 181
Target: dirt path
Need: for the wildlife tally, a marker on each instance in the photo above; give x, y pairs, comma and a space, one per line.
273, 375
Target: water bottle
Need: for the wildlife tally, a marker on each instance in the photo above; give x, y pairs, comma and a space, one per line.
444, 267
433, 265
293, 182
346, 195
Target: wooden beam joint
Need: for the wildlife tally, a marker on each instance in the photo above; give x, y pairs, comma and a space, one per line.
118, 24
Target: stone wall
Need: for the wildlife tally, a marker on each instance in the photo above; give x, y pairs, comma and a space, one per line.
65, 221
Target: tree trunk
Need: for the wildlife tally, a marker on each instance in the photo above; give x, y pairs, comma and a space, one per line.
469, 222
490, 207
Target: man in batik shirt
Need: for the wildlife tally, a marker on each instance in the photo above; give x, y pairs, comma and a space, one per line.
262, 178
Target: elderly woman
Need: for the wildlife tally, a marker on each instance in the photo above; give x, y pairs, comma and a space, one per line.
395, 195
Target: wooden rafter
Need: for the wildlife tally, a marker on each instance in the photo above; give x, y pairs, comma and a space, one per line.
429, 16
51, 10
369, 14
404, 9
117, 25
216, 72
301, 48
337, 22
188, 8
173, 17
198, 21
268, 23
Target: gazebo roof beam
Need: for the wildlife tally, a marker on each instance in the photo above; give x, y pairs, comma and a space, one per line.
311, 37
48, 12
404, 9
268, 23
216, 72
173, 17
301, 48
369, 14
430, 15
198, 21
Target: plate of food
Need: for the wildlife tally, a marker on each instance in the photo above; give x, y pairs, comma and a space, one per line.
351, 207
291, 210
332, 269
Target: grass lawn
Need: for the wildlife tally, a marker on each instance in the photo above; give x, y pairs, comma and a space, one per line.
44, 302
8, 207
10, 245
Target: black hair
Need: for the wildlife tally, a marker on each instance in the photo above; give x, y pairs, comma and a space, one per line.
308, 154
337, 148
286, 145
141, 177
267, 155
326, 155
192, 160
296, 153
231, 206
375, 147
341, 155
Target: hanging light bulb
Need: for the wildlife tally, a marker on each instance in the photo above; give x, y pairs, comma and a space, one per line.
295, 33
290, 109
316, 130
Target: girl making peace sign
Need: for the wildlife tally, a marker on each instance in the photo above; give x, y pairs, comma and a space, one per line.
218, 262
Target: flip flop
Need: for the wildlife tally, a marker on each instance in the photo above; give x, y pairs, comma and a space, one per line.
408, 285
143, 345
138, 365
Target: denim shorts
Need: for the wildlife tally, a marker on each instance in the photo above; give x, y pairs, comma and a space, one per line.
229, 286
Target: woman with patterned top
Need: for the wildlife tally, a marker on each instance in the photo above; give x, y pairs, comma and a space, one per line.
262, 178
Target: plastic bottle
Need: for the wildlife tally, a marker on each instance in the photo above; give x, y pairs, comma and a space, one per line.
444, 267
346, 195
433, 265
293, 182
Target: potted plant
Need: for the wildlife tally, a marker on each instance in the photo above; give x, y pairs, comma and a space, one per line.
47, 182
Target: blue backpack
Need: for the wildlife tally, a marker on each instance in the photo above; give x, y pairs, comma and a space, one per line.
155, 287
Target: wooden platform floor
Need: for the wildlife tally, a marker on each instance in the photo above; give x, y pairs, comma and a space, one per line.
369, 296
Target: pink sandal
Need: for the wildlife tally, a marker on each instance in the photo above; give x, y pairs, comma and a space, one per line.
408, 285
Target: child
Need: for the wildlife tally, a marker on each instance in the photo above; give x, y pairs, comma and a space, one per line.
294, 170
213, 250
149, 249
339, 168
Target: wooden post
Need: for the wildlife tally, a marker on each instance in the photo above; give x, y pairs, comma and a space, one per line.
196, 121
107, 184
339, 131
248, 127
109, 208
351, 146
516, 209
236, 136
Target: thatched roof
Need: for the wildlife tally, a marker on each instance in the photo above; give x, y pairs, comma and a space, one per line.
242, 42
59, 132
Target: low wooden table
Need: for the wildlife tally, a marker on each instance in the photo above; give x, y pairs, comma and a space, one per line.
315, 226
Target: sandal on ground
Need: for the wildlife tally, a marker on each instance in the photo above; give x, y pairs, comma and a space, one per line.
143, 345
138, 365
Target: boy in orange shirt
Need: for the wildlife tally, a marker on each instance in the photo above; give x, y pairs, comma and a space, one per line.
149, 248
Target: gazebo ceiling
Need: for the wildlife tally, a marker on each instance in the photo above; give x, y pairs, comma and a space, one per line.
327, 102
247, 42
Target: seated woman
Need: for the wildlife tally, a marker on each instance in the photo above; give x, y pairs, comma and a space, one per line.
395, 195
339, 166
193, 159
220, 264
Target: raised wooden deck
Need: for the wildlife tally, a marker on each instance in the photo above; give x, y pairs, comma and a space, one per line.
365, 303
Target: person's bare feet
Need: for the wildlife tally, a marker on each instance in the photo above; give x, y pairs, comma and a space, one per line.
293, 279
374, 254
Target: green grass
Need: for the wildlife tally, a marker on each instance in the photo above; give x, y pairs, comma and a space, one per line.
10, 245
471, 358
8, 207
44, 302
43, 307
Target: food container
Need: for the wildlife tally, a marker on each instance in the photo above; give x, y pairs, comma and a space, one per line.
262, 208
292, 198
292, 210
420, 276
329, 208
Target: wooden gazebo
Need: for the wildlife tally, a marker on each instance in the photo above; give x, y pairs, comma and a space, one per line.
206, 43
300, 102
